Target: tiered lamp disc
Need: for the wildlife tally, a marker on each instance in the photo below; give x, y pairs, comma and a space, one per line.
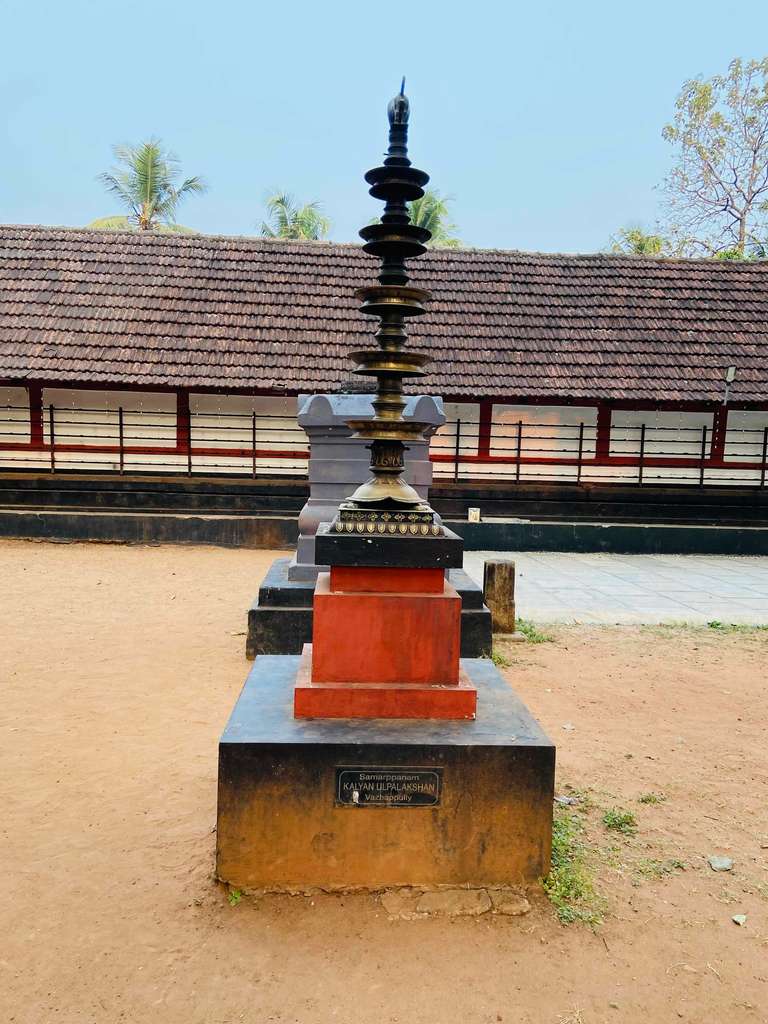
386, 620
376, 503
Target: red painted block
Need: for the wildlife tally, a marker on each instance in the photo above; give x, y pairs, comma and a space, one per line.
354, 579
402, 638
371, 700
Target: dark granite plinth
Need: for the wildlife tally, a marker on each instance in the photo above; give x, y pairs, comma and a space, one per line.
280, 619
476, 811
389, 551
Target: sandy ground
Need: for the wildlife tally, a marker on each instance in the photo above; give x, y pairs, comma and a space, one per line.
119, 667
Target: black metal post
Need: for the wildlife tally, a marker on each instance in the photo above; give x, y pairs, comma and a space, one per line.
52, 438
642, 456
121, 438
581, 452
764, 457
703, 454
519, 449
457, 451
253, 444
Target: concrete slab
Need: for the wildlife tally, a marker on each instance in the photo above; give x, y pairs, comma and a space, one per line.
635, 589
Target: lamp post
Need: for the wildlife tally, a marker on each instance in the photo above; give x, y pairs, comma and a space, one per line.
386, 503
730, 377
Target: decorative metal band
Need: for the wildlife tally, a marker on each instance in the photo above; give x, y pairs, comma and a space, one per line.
409, 529
387, 456
358, 515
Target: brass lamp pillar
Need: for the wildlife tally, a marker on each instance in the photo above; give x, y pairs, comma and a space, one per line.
386, 503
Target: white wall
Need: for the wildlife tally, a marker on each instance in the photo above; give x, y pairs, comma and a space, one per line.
667, 434
744, 442
548, 431
14, 414
226, 421
15, 428
443, 441
91, 416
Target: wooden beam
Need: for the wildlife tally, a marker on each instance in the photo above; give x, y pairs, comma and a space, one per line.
719, 429
603, 438
183, 421
36, 431
484, 427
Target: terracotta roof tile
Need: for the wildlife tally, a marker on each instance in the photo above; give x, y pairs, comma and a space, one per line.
247, 313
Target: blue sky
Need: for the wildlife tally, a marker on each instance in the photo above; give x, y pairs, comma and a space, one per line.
543, 120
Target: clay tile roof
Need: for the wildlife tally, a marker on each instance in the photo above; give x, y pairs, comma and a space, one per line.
245, 313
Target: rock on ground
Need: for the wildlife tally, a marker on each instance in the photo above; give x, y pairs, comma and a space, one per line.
455, 902
401, 903
720, 863
510, 902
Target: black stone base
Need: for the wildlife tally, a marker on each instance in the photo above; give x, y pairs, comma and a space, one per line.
388, 550
280, 619
356, 803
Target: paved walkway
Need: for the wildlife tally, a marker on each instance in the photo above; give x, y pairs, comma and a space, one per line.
598, 588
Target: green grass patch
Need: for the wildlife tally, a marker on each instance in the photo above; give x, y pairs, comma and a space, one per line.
650, 868
651, 798
234, 896
569, 885
734, 627
532, 634
620, 821
583, 796
666, 630
499, 659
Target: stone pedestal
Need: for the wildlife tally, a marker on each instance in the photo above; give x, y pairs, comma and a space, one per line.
280, 619
339, 463
382, 630
386, 627
369, 804
385, 645
379, 758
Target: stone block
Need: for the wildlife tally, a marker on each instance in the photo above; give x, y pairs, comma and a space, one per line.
410, 638
280, 619
453, 803
499, 593
388, 551
339, 463
313, 699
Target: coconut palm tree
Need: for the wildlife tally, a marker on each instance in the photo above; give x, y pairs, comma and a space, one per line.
125, 224
431, 212
289, 220
636, 242
145, 183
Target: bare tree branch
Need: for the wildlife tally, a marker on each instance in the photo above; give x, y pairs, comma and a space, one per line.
717, 190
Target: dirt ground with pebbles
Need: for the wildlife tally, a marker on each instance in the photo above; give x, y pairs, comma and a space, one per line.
119, 667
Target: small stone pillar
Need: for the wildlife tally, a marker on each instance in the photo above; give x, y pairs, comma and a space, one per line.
339, 463
499, 593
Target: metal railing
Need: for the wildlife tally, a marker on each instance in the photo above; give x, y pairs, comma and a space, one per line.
127, 441
642, 454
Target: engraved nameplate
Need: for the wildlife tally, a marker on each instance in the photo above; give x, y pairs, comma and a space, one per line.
388, 787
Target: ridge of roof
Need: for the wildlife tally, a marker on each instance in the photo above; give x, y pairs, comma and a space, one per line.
258, 241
